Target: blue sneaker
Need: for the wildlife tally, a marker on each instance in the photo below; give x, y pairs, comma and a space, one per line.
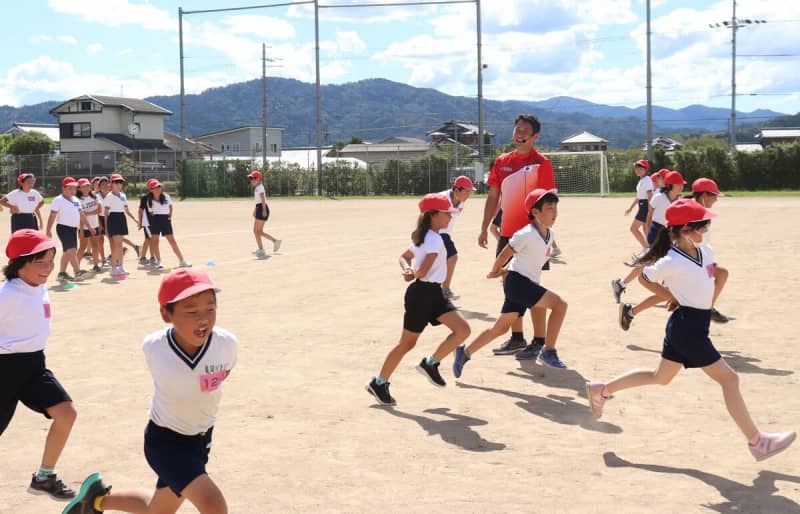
83, 503
549, 356
460, 359
530, 352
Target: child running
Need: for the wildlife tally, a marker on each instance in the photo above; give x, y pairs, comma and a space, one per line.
91, 236
458, 195
644, 192
65, 211
24, 203
681, 260
159, 212
261, 214
115, 206
529, 248
189, 362
425, 262
25, 322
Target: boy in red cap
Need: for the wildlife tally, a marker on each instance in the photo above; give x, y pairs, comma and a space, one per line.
189, 362
679, 268
528, 249
65, 211
261, 215
25, 322
458, 196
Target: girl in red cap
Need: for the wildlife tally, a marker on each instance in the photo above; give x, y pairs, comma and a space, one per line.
458, 195
24, 203
261, 214
679, 268
644, 192
159, 212
115, 206
424, 262
90, 235
25, 322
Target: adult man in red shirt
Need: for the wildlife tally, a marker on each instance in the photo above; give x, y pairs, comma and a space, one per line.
513, 176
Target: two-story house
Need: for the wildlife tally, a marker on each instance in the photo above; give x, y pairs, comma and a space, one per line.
245, 142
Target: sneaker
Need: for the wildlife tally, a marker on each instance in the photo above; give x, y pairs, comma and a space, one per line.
96, 269
555, 252
143, 261
276, 245
594, 392
509, 347
431, 372
530, 352
771, 443
380, 392
106, 263
260, 252
159, 266
52, 486
185, 264
122, 271
80, 274
460, 359
718, 317
152, 261
63, 277
618, 287
625, 316
549, 356
90, 489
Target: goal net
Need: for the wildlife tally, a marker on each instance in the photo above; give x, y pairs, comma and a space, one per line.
580, 172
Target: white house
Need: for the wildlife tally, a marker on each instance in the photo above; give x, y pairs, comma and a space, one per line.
245, 142
773, 136
400, 148
584, 142
48, 129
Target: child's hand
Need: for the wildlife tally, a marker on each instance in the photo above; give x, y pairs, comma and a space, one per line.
495, 274
628, 210
408, 275
672, 305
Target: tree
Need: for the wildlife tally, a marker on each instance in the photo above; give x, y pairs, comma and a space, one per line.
334, 152
31, 143
5, 140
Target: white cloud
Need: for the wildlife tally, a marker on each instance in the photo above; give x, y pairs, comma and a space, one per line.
68, 40
362, 15
94, 48
349, 42
116, 13
265, 27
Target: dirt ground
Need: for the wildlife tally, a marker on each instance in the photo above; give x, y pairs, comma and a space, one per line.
297, 432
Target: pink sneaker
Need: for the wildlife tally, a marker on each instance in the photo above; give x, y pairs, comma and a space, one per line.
597, 395
771, 443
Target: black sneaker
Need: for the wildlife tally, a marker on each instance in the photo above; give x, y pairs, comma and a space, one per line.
83, 503
431, 372
617, 287
718, 317
52, 486
96, 269
530, 352
509, 347
80, 274
625, 316
380, 392
63, 277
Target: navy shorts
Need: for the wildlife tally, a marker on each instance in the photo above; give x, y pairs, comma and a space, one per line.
424, 303
68, 236
177, 459
521, 293
449, 245
498, 220
117, 224
89, 233
258, 213
27, 380
641, 214
22, 220
652, 234
503, 241
161, 224
686, 340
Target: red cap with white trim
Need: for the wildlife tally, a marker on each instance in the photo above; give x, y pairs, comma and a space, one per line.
27, 242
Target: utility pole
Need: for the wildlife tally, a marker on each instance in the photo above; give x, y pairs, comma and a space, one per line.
263, 107
649, 92
183, 100
480, 91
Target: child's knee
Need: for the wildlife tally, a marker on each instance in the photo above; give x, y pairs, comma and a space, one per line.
64, 413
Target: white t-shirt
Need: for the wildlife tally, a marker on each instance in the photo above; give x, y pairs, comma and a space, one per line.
26, 203
432, 244
659, 203
531, 251
644, 186
24, 317
187, 389
690, 281
115, 203
69, 210
90, 204
449, 229
258, 192
158, 207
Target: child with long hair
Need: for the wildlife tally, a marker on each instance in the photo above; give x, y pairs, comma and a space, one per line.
424, 263
158, 206
90, 235
115, 206
261, 214
25, 204
458, 195
679, 268
644, 192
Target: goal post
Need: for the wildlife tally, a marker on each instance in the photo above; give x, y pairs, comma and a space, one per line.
580, 172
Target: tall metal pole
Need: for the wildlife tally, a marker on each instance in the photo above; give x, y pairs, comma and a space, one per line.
183, 101
319, 110
734, 27
264, 106
480, 90
649, 93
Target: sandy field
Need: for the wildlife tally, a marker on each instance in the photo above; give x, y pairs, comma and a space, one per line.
297, 432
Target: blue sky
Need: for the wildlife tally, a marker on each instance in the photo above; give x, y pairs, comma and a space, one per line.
533, 49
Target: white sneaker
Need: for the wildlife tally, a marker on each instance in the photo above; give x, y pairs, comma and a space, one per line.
276, 245
185, 264
770, 444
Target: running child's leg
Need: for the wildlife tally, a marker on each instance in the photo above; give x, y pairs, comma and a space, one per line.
720, 278
407, 342
637, 229
204, 494
63, 415
727, 378
451, 268
499, 328
459, 331
175, 249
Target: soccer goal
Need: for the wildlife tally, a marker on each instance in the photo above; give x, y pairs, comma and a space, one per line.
580, 172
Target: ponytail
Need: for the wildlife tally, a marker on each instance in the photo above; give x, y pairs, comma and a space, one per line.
660, 246
423, 225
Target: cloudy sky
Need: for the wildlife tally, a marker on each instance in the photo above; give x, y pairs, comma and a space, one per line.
533, 49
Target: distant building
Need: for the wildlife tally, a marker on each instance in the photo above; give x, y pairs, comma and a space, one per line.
452, 131
245, 142
584, 142
48, 129
774, 136
400, 148
193, 149
748, 147
665, 143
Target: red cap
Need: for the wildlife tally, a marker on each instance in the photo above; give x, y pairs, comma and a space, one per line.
685, 211
435, 202
183, 283
464, 182
644, 163
23, 177
255, 174
95, 179
83, 182
69, 181
153, 183
27, 242
673, 177
660, 173
100, 179
536, 195
705, 185
117, 176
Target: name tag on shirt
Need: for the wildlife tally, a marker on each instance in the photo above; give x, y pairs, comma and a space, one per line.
211, 381
46, 310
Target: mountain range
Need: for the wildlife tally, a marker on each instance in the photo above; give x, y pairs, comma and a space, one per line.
374, 109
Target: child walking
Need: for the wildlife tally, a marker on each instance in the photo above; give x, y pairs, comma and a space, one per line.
644, 192
189, 362
458, 195
681, 260
24, 203
91, 236
66, 212
261, 214
159, 211
25, 322
424, 262
529, 248
115, 206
